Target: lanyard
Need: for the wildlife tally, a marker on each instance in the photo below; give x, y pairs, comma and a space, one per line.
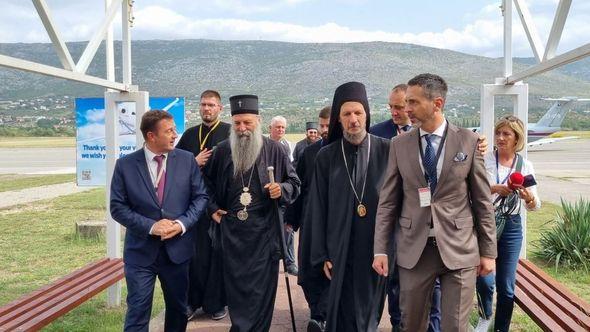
440, 147
202, 141
509, 172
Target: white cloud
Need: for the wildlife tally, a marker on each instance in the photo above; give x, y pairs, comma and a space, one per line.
95, 115
482, 33
91, 131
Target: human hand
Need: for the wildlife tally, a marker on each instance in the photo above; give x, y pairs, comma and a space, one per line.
288, 228
380, 265
486, 266
203, 157
161, 227
501, 189
172, 231
328, 269
216, 216
274, 189
482, 144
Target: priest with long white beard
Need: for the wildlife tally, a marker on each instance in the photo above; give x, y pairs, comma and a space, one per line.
242, 203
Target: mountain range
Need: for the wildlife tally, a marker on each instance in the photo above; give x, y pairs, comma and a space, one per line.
288, 76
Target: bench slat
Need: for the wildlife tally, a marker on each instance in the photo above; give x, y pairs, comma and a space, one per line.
88, 290
556, 286
547, 306
547, 294
39, 299
544, 321
48, 288
58, 298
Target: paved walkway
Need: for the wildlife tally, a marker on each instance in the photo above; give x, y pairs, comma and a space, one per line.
29, 195
281, 321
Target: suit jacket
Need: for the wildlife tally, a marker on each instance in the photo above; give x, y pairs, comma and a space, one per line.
461, 207
134, 204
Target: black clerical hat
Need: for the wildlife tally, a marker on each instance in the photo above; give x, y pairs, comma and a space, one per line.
351, 91
311, 125
242, 104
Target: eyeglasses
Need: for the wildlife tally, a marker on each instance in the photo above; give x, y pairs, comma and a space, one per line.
203, 105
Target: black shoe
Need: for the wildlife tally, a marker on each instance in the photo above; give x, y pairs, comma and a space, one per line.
315, 326
292, 270
219, 315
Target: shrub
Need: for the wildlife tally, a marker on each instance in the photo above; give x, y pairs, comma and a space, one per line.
568, 242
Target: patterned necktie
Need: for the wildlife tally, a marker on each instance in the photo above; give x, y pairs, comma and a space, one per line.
162, 183
429, 163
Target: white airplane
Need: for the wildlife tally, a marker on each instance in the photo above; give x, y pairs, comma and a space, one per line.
550, 123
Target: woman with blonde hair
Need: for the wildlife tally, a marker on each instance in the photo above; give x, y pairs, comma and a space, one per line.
500, 164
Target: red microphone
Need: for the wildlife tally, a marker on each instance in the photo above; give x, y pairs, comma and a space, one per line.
516, 180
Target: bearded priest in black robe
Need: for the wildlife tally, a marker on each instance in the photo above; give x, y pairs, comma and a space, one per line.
343, 201
242, 203
206, 288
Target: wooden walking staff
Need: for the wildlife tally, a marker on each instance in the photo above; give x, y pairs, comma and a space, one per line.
283, 245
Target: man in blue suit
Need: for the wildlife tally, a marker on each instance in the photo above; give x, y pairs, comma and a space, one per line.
158, 194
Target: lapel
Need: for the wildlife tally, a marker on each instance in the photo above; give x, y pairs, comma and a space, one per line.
412, 152
145, 176
451, 144
171, 165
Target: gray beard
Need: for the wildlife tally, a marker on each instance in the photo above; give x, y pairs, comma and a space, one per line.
245, 148
355, 139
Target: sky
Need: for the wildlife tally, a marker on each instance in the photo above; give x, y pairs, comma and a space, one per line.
469, 26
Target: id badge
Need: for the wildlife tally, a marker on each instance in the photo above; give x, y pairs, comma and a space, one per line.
424, 194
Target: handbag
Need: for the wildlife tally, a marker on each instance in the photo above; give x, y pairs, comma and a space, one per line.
505, 206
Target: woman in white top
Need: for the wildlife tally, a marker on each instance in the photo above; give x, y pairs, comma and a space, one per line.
500, 164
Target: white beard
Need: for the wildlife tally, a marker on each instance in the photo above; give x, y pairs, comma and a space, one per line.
245, 148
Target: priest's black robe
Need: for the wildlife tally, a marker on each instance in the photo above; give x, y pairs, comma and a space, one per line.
356, 294
189, 140
298, 151
312, 280
250, 248
206, 288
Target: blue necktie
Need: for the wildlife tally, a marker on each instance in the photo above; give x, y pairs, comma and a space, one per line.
429, 163
406, 127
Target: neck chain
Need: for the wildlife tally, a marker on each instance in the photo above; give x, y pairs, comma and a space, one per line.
361, 209
245, 196
203, 141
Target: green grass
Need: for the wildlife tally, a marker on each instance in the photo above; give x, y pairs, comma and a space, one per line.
16, 181
39, 245
37, 142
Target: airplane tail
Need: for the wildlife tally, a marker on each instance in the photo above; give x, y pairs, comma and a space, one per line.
555, 115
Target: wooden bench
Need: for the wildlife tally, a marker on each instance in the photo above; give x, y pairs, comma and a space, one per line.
36, 310
548, 303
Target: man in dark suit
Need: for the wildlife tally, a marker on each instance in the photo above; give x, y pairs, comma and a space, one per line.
399, 122
436, 198
158, 194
